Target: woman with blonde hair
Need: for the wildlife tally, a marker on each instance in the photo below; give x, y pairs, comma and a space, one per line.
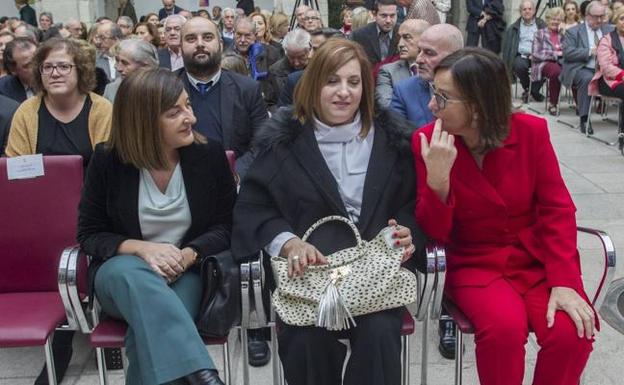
359, 18
572, 15
332, 153
278, 27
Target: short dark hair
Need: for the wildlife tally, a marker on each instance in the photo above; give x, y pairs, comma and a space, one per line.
84, 60
327, 32
17, 43
382, 2
470, 69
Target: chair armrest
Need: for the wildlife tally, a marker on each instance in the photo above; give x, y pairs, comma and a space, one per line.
612, 310
426, 283
253, 313
440, 279
609, 264
73, 255
63, 290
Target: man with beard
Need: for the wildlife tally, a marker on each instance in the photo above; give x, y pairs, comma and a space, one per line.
228, 106
379, 38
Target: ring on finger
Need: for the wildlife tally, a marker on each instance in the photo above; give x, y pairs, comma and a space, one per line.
295, 258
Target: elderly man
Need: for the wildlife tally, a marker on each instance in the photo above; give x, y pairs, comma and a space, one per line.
258, 63
579, 57
300, 15
106, 36
126, 25
379, 38
169, 8
229, 15
131, 54
296, 44
74, 28
517, 48
171, 56
390, 74
18, 85
312, 20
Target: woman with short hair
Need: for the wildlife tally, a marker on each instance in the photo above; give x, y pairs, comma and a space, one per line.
157, 199
332, 153
147, 32
490, 189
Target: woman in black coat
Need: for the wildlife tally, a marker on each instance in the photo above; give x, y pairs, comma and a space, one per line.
331, 155
157, 199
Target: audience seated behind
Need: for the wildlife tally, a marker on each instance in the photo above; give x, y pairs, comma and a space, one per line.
183, 195
379, 38
18, 85
8, 107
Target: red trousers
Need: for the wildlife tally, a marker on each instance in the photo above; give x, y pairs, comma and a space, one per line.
502, 317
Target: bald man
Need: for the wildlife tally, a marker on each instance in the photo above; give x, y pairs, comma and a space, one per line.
411, 96
392, 73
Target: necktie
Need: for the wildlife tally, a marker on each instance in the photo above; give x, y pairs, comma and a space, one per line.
596, 39
204, 87
414, 69
384, 44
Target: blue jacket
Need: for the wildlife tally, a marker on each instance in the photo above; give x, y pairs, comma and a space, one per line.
410, 99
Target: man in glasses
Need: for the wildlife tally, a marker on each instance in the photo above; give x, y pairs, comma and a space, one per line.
411, 98
312, 20
579, 57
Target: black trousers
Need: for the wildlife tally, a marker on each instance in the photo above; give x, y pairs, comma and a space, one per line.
472, 40
314, 356
521, 67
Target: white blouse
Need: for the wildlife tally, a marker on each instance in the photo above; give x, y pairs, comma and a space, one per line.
347, 155
164, 217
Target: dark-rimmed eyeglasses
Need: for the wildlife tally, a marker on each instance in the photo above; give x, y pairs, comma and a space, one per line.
441, 100
61, 68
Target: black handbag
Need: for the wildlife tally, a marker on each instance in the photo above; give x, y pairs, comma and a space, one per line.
220, 307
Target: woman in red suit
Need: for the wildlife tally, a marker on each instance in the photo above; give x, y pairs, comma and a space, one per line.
490, 188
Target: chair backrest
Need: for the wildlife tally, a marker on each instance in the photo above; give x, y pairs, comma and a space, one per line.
38, 219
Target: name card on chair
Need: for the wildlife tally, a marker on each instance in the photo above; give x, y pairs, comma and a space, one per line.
25, 167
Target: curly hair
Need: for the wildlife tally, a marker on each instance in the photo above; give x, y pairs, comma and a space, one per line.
84, 60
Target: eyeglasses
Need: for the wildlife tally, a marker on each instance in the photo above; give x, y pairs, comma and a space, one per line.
440, 99
101, 37
61, 68
310, 18
596, 16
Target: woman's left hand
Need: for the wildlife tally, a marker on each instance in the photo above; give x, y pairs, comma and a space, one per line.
403, 238
568, 300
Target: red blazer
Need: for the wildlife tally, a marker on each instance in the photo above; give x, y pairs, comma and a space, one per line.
517, 205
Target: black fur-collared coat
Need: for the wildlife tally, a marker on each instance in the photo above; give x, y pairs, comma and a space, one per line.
289, 187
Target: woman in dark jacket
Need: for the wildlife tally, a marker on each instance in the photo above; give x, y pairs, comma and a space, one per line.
157, 199
331, 155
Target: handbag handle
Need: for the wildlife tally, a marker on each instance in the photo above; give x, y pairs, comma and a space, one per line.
331, 218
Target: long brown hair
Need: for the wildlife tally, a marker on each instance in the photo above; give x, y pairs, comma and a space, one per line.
328, 59
472, 69
141, 100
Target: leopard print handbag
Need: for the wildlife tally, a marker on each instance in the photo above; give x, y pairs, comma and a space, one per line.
363, 279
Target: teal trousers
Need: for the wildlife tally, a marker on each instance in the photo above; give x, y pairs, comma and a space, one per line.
162, 342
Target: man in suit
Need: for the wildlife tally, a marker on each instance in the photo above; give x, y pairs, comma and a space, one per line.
7, 109
229, 15
517, 48
17, 57
296, 45
391, 74
244, 45
106, 36
411, 96
27, 14
579, 57
379, 38
169, 8
171, 56
228, 107
486, 23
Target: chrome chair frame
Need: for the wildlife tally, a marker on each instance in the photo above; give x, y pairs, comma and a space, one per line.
612, 309
597, 299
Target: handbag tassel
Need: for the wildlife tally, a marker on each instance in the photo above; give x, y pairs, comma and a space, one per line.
333, 313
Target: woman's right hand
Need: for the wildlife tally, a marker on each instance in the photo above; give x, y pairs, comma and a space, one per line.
439, 154
300, 254
164, 258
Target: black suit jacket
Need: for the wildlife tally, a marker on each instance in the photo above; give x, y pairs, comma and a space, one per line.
108, 211
287, 93
289, 187
242, 113
7, 109
164, 58
162, 13
11, 87
28, 15
368, 38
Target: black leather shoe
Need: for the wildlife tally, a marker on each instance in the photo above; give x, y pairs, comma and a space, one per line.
525, 97
583, 127
446, 331
257, 348
590, 130
204, 377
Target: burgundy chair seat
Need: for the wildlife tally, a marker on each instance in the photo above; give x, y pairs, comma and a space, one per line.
110, 333
459, 317
27, 319
408, 323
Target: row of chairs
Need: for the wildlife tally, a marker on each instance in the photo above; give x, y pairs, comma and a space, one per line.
43, 281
